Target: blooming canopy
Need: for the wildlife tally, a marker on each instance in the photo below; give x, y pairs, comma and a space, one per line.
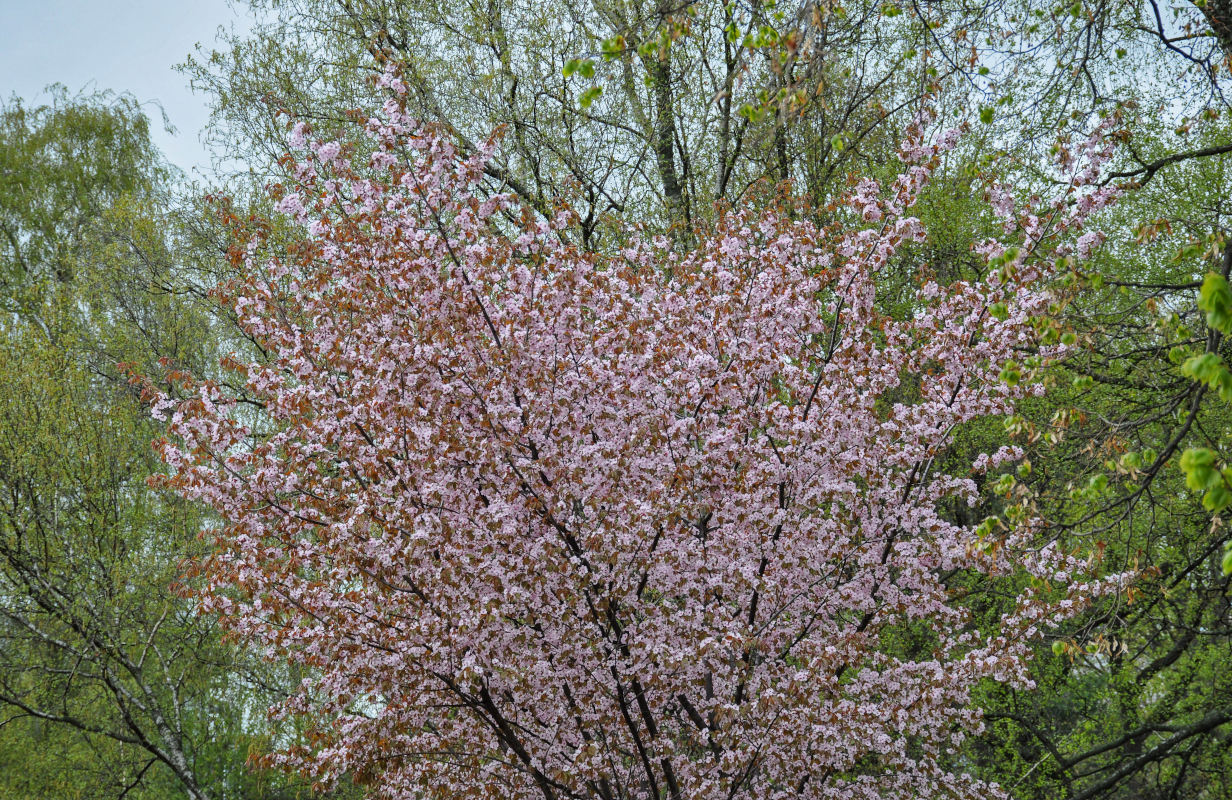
549, 523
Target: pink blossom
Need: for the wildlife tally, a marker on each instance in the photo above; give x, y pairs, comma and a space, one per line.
1088, 242
541, 522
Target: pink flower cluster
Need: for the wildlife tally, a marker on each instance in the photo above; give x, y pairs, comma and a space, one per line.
547, 523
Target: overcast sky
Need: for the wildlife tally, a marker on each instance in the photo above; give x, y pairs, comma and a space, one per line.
123, 45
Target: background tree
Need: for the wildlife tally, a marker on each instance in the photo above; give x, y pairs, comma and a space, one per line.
648, 112
111, 685
1134, 704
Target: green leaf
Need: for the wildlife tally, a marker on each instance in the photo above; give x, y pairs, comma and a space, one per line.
1227, 561
766, 36
583, 65
1205, 368
1215, 298
1217, 498
1196, 457
613, 47
587, 97
1198, 463
986, 115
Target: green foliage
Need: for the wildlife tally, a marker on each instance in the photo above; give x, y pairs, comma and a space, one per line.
110, 683
1215, 298
1204, 469
1125, 692
61, 166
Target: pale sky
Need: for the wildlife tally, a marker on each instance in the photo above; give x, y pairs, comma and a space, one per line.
123, 45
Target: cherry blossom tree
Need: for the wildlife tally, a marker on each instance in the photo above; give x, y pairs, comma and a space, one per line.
546, 523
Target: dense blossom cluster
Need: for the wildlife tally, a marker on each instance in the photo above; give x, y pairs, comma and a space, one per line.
548, 523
